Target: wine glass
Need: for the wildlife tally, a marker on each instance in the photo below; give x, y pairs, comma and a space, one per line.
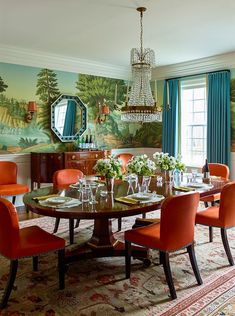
93, 189
146, 183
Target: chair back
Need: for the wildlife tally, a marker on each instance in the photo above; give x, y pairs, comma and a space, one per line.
8, 172
124, 157
219, 170
9, 228
178, 219
227, 205
65, 177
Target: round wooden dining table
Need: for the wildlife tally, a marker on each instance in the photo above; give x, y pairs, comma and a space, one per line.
103, 243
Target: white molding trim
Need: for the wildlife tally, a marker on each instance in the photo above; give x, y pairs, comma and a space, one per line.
20, 56
202, 65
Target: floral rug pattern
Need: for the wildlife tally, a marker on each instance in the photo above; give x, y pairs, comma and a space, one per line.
97, 287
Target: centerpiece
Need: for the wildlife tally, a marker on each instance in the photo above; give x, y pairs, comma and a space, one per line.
168, 164
141, 165
110, 168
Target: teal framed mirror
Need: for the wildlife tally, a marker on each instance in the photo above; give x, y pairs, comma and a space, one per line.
68, 117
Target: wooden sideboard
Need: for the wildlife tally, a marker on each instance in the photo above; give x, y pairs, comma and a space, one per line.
43, 165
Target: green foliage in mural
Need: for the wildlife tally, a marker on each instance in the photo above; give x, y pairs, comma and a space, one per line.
232, 90
27, 142
48, 92
3, 86
149, 135
93, 90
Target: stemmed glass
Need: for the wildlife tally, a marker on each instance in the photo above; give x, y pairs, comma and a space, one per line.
93, 188
146, 183
131, 181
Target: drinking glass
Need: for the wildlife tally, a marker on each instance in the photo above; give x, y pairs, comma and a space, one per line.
194, 175
159, 181
93, 190
131, 182
146, 182
86, 194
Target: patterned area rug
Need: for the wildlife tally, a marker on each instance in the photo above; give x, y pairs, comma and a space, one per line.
97, 287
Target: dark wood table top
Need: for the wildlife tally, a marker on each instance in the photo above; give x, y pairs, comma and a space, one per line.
107, 207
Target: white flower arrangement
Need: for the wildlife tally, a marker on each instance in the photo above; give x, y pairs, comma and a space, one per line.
166, 162
110, 167
141, 165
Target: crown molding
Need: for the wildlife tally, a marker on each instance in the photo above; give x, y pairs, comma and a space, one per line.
202, 65
19, 56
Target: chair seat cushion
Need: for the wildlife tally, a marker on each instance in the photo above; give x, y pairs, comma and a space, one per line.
34, 241
13, 189
146, 236
209, 217
211, 198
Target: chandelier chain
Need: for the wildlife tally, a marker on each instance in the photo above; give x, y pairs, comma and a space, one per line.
141, 35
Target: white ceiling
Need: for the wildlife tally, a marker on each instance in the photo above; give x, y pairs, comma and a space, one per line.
105, 30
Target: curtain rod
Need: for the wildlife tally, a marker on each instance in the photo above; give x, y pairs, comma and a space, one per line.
200, 74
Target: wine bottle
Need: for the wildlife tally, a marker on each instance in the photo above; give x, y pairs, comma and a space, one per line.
78, 142
206, 171
82, 143
86, 142
90, 142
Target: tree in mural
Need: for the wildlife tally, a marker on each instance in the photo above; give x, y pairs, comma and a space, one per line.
3, 86
149, 135
48, 92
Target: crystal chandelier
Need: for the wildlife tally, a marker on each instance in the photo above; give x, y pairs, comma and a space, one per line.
141, 106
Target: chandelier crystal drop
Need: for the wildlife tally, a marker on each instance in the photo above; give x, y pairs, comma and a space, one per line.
141, 106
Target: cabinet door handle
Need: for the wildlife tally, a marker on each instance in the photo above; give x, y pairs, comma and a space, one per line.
59, 157
73, 157
96, 155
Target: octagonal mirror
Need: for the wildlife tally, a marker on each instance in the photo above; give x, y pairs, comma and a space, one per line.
68, 117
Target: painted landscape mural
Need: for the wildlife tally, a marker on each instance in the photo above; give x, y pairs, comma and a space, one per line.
21, 84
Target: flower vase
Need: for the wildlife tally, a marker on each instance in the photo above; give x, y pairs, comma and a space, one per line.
109, 184
168, 176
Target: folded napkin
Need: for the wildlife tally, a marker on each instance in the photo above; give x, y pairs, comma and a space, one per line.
44, 197
126, 200
182, 188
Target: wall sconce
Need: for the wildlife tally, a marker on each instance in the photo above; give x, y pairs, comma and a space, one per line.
32, 108
103, 112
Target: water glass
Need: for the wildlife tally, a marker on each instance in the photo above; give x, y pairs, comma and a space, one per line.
159, 181
93, 190
146, 182
86, 194
194, 175
131, 182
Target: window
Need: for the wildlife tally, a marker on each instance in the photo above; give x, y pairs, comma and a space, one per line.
193, 121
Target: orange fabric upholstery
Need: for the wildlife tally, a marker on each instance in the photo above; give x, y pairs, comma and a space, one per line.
125, 157
177, 217
16, 243
222, 216
62, 179
218, 170
65, 177
175, 231
8, 180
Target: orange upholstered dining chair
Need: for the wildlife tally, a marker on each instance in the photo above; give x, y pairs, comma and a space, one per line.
175, 231
222, 216
8, 181
16, 243
62, 179
217, 170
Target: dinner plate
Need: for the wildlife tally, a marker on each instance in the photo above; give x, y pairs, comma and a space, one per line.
58, 200
200, 185
142, 196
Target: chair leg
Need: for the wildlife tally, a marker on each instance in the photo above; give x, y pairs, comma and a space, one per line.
212, 203
57, 223
77, 223
206, 204
210, 233
128, 259
144, 215
35, 263
61, 266
13, 199
71, 230
166, 266
119, 224
194, 265
226, 245
10, 282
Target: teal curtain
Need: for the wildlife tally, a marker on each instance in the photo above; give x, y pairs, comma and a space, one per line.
70, 119
170, 117
218, 119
